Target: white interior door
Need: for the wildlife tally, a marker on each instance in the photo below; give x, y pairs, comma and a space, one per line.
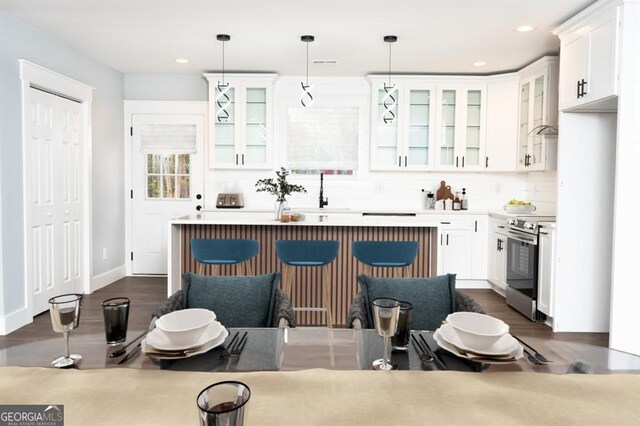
168, 178
54, 197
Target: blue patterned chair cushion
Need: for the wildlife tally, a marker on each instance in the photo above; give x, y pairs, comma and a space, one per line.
432, 298
237, 301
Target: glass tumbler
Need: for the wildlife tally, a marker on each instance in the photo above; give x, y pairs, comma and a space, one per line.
116, 319
400, 340
223, 403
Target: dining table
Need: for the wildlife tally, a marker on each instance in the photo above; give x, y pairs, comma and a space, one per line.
310, 375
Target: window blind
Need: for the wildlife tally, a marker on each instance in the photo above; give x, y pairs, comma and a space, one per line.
168, 138
323, 138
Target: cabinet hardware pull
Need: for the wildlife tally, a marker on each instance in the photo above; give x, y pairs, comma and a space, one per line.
501, 226
445, 223
463, 161
578, 90
243, 159
476, 226
447, 239
456, 161
440, 239
584, 91
236, 159
544, 233
497, 244
399, 160
405, 161
486, 162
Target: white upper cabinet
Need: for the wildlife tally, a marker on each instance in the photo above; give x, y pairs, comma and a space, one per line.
538, 107
502, 123
589, 60
241, 121
402, 130
460, 126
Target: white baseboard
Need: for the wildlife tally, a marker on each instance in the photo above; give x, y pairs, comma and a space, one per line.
106, 278
13, 321
472, 284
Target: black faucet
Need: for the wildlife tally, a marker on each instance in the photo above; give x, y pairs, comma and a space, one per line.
323, 201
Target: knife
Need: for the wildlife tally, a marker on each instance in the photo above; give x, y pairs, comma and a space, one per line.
532, 350
133, 352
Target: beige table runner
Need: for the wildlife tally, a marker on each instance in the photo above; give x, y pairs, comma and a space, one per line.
324, 397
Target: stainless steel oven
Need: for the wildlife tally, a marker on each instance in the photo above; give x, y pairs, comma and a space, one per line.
522, 266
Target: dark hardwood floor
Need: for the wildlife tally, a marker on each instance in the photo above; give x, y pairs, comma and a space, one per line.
146, 293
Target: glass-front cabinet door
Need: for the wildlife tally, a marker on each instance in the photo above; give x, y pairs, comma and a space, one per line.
538, 109
403, 128
460, 127
241, 118
387, 151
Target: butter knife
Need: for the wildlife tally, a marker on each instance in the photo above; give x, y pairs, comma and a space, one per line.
133, 352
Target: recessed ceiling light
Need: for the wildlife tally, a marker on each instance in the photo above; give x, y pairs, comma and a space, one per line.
182, 61
525, 28
479, 64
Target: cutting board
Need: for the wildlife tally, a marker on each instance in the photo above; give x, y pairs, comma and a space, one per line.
444, 191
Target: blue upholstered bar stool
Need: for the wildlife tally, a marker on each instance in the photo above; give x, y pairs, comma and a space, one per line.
385, 254
218, 252
315, 253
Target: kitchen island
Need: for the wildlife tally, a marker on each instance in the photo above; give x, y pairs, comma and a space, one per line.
345, 227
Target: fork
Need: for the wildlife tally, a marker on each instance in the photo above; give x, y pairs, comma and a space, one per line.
425, 357
235, 347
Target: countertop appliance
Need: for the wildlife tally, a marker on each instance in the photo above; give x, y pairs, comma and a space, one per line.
230, 201
522, 264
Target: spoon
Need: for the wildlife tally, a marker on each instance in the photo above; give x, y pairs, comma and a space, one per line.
123, 349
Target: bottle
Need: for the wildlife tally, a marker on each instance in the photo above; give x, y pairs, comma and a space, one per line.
456, 202
464, 202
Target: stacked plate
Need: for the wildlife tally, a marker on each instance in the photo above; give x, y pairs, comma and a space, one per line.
184, 333
479, 338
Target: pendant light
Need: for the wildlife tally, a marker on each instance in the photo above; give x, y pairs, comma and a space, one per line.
222, 98
306, 98
389, 101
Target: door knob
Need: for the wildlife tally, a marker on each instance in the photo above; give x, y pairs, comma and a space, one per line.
198, 196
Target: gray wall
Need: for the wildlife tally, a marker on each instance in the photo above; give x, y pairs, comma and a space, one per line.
19, 40
149, 87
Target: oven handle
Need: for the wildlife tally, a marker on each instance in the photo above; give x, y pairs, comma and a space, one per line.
522, 237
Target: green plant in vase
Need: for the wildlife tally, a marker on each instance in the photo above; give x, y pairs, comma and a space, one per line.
280, 188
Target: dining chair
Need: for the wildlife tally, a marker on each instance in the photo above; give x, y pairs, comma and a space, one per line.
385, 254
308, 253
217, 252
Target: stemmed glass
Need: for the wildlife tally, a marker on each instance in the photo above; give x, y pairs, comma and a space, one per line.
65, 316
385, 319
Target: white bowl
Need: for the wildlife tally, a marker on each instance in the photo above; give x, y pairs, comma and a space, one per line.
185, 326
477, 331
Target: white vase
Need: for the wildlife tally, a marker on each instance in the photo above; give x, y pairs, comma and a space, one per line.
281, 204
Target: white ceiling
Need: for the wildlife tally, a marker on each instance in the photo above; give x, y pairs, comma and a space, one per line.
434, 36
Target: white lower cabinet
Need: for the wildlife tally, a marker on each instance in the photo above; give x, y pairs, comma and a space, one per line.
497, 253
546, 271
462, 247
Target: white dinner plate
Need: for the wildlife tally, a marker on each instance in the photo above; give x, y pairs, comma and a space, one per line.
503, 346
206, 347
159, 339
517, 353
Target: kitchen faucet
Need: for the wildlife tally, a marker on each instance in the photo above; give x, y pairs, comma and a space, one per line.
323, 201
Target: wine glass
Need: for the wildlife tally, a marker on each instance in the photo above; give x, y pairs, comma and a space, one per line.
385, 319
65, 316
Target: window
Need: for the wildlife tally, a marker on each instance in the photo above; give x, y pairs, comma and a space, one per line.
168, 176
323, 139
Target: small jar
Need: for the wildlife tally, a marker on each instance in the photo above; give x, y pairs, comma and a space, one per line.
285, 216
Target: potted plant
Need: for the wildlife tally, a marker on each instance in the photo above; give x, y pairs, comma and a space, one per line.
280, 188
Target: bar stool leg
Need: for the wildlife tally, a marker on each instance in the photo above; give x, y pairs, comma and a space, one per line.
200, 268
216, 270
248, 266
327, 295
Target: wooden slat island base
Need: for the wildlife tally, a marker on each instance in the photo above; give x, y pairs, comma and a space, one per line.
306, 290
